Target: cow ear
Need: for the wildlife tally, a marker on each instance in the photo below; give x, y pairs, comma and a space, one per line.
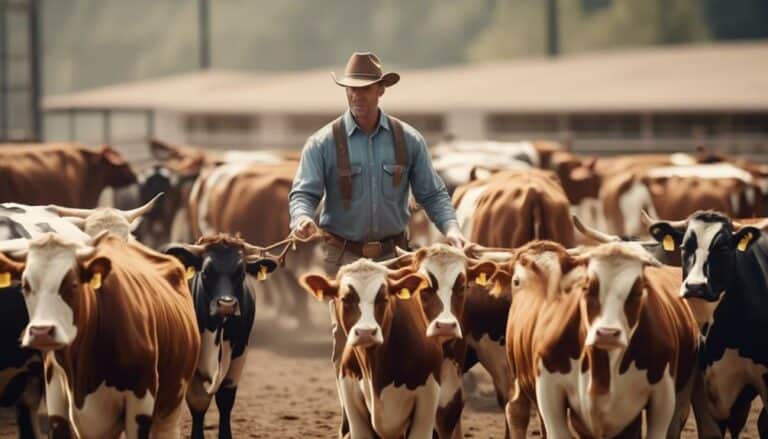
95, 271
186, 257
482, 272
745, 237
500, 280
407, 286
111, 156
10, 271
260, 267
669, 237
320, 286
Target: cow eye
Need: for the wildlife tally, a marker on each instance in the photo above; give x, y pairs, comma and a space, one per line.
516, 282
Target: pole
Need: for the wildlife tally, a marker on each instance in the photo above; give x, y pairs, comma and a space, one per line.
205, 34
553, 37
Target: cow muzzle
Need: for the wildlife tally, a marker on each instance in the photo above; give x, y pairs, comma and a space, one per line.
447, 329
699, 291
227, 306
41, 337
364, 337
609, 338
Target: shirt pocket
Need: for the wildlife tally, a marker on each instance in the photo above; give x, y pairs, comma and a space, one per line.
358, 186
390, 191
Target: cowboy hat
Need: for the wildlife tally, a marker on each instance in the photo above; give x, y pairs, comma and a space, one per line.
364, 69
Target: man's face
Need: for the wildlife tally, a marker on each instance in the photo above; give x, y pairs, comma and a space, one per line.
364, 101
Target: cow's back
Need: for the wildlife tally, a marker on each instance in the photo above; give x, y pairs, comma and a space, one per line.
516, 207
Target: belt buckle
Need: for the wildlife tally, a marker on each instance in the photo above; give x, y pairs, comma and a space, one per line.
372, 250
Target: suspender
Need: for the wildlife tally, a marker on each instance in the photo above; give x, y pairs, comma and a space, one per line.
342, 156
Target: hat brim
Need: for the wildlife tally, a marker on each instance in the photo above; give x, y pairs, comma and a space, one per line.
387, 80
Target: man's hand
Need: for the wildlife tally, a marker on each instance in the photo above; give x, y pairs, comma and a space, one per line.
454, 236
305, 228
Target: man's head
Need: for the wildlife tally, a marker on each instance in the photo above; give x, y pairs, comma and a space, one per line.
365, 83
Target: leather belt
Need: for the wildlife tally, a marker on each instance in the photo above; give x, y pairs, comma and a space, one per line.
370, 249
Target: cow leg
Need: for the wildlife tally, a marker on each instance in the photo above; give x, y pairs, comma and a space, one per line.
198, 401
661, 408
552, 408
706, 425
355, 410
27, 407
423, 419
739, 412
451, 404
138, 416
493, 357
518, 413
56, 402
168, 427
762, 423
682, 409
225, 400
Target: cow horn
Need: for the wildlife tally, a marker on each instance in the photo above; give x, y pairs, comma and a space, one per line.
649, 220
593, 233
76, 221
132, 214
15, 248
195, 249
760, 225
399, 261
94, 241
85, 252
70, 211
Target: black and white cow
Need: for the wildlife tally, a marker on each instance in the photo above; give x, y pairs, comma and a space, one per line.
21, 370
725, 280
225, 309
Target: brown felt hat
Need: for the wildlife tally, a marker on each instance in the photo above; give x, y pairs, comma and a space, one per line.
364, 69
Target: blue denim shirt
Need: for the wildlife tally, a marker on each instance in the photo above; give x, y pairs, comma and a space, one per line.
377, 208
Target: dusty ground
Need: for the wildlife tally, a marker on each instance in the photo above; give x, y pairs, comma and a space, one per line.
288, 392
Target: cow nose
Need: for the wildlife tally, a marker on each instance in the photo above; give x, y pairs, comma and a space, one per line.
695, 290
226, 301
608, 332
41, 331
366, 332
445, 325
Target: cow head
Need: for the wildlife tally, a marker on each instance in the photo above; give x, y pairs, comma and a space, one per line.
448, 271
363, 291
57, 275
612, 292
708, 243
100, 219
114, 170
217, 266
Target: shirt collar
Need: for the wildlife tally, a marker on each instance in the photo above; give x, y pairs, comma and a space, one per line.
351, 125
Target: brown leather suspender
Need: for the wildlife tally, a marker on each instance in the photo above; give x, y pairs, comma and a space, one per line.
342, 156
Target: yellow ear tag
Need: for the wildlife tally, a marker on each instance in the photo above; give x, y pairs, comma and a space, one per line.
319, 294
190, 273
497, 289
744, 242
481, 280
668, 243
96, 281
405, 293
262, 273
422, 285
5, 280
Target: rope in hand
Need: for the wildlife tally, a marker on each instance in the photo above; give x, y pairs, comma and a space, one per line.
289, 244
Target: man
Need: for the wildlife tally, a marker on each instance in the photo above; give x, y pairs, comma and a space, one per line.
365, 162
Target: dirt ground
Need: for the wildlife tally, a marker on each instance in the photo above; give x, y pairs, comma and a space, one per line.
288, 391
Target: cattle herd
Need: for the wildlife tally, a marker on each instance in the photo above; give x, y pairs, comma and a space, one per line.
609, 296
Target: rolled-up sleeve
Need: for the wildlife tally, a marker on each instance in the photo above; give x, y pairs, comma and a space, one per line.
309, 183
429, 190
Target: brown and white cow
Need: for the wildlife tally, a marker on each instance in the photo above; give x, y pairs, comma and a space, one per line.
120, 335
390, 369
60, 173
598, 337
677, 191
449, 273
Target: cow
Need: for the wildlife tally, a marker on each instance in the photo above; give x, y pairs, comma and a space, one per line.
228, 198
225, 309
60, 173
120, 339
449, 273
390, 373
725, 280
597, 336
21, 369
676, 192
